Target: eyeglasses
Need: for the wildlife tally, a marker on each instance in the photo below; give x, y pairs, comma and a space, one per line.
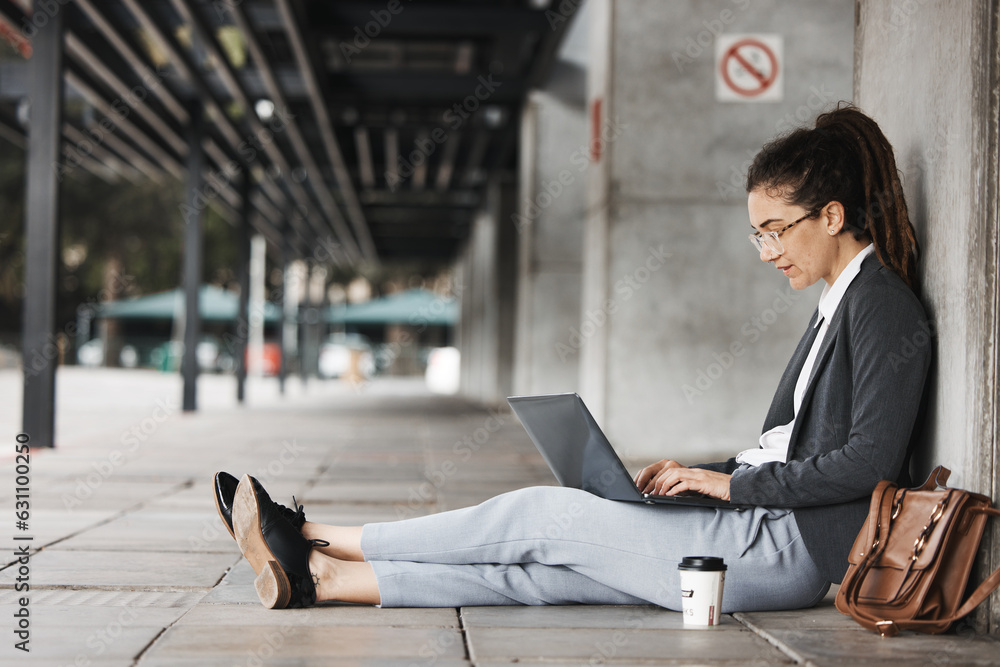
771, 240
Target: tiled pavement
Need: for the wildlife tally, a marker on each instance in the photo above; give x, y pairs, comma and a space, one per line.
131, 565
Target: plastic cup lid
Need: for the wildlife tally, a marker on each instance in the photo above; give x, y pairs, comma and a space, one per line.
705, 563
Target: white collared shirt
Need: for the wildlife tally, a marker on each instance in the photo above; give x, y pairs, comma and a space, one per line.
774, 443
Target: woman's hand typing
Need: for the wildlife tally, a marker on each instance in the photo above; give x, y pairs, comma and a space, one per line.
669, 478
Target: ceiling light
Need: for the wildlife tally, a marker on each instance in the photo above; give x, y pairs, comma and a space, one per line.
264, 109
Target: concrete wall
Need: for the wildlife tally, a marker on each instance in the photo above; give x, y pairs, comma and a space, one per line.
688, 331
940, 113
550, 224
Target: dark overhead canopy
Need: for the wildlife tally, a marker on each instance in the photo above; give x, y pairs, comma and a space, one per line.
389, 117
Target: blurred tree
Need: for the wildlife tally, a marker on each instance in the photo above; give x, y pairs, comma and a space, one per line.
117, 240
11, 237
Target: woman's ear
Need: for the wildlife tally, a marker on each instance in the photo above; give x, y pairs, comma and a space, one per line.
834, 212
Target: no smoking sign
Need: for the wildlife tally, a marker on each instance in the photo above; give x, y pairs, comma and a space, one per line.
749, 68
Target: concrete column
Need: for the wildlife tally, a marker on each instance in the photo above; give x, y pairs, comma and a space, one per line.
940, 113
684, 332
486, 330
550, 223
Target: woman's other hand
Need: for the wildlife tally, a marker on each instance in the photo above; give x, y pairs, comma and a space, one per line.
644, 479
672, 481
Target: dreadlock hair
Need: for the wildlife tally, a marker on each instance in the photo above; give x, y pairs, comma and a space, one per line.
845, 158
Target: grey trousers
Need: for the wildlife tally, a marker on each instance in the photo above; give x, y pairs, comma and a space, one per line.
552, 545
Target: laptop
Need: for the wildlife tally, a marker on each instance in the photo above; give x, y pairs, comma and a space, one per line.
579, 454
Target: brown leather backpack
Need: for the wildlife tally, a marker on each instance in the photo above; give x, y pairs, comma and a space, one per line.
910, 563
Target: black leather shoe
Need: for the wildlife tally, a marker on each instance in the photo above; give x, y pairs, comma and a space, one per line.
275, 549
225, 489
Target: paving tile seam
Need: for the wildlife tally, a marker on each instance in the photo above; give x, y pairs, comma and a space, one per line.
111, 587
153, 641
186, 484
465, 635
130, 549
771, 639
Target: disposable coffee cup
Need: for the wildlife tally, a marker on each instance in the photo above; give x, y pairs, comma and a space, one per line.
702, 580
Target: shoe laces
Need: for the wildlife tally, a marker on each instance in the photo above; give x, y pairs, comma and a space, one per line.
299, 515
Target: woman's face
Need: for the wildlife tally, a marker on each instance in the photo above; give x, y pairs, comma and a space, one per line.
810, 247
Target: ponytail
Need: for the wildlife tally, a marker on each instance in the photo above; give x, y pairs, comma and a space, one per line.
845, 158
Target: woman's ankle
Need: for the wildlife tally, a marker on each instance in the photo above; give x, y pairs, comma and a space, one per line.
345, 541
343, 581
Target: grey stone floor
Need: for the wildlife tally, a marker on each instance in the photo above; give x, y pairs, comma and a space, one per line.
130, 564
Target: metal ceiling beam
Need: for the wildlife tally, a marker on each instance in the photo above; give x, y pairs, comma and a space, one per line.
461, 95
274, 91
130, 154
447, 165
391, 142
363, 147
152, 148
232, 82
82, 54
270, 198
420, 170
112, 35
76, 138
94, 166
473, 166
190, 73
426, 18
343, 176
415, 199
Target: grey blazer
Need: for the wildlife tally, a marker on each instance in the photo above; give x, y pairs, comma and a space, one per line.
856, 421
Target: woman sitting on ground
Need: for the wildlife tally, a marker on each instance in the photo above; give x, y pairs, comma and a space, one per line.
825, 204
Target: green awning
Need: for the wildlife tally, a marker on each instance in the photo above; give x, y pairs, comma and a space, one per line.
215, 305
416, 307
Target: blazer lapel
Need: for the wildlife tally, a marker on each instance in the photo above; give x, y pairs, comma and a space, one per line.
868, 267
782, 408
